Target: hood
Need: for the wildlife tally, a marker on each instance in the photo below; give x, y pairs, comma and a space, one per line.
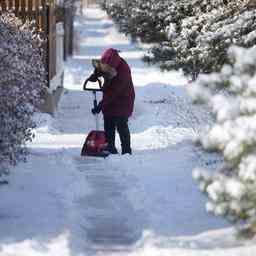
111, 57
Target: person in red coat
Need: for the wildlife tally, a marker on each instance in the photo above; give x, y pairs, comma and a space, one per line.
118, 98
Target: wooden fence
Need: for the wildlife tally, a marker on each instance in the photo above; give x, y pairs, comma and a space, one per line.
42, 12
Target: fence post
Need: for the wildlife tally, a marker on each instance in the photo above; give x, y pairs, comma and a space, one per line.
51, 38
3, 5
68, 27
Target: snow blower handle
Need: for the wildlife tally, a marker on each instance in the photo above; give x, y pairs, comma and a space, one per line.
95, 105
93, 89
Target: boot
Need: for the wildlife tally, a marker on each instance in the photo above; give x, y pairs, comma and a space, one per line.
126, 151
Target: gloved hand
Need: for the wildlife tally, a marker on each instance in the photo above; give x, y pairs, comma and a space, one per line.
96, 110
93, 77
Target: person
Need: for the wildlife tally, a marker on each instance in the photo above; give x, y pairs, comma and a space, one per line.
118, 98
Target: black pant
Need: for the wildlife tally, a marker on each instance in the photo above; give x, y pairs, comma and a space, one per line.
121, 124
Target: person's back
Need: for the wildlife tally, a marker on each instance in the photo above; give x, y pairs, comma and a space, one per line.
118, 93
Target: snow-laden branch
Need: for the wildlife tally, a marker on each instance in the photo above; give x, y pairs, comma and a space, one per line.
21, 82
231, 190
192, 35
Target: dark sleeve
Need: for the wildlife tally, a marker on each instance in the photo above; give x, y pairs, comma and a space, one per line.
97, 72
93, 78
95, 75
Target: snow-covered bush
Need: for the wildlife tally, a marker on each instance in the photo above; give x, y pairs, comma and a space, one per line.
200, 32
232, 188
192, 35
144, 19
203, 48
21, 82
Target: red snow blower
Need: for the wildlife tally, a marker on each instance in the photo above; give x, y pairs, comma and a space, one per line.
96, 142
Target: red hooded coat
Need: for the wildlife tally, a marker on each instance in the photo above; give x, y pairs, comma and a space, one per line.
118, 93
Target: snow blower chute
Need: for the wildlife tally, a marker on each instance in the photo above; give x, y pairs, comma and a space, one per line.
96, 142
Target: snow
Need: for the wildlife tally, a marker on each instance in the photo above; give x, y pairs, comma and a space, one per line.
225, 108
247, 168
235, 188
58, 203
215, 189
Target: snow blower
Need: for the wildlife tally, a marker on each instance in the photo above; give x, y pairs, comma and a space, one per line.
96, 142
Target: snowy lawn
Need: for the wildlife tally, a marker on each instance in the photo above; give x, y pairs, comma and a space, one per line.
60, 204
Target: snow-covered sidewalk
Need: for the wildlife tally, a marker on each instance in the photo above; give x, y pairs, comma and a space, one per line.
58, 204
